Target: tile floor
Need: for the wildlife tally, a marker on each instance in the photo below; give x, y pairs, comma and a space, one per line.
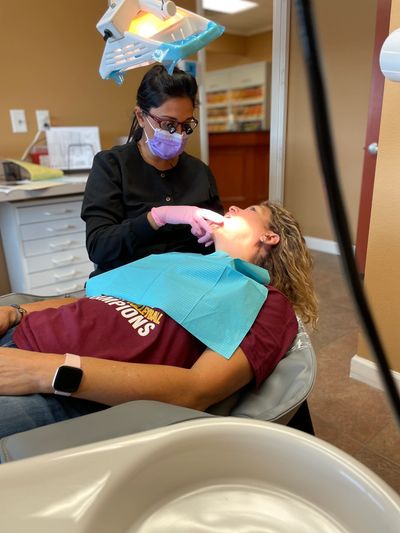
347, 413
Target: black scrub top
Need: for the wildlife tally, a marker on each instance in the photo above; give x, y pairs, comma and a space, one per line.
122, 188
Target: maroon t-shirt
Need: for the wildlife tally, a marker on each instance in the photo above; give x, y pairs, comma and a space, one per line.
110, 328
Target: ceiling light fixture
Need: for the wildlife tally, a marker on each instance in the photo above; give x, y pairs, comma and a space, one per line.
229, 7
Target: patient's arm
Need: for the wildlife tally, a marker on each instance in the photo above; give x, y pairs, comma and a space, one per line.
9, 314
211, 379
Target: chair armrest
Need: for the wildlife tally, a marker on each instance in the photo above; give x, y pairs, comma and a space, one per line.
125, 419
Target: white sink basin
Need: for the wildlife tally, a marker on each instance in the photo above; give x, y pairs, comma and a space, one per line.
207, 475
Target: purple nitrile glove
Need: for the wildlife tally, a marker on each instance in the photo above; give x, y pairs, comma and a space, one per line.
195, 217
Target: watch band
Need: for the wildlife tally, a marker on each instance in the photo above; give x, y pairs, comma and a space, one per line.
72, 360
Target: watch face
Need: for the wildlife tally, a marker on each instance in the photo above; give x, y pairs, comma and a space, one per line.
67, 379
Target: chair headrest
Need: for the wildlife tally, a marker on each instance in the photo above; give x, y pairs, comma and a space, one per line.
284, 389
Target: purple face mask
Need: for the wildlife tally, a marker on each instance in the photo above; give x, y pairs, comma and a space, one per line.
165, 145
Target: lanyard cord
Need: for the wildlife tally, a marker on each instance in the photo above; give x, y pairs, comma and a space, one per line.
333, 193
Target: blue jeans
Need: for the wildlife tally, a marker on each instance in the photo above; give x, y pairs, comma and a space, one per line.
7, 340
20, 413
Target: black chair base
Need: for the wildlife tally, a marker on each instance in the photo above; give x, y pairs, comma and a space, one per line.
302, 420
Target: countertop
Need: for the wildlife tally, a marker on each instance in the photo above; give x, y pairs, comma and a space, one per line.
74, 184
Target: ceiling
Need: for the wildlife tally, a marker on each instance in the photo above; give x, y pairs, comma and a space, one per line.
250, 22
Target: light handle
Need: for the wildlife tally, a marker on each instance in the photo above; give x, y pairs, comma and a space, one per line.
159, 8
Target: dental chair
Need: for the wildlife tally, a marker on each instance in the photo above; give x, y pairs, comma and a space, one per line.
279, 399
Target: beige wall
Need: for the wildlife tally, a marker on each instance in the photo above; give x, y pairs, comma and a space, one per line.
52, 63
383, 256
346, 36
50, 58
259, 46
232, 50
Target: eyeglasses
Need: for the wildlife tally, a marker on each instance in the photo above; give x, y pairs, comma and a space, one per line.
171, 125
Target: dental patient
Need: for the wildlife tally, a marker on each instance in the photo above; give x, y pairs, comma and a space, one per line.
185, 329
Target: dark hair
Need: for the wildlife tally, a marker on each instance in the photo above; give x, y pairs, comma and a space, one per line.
156, 87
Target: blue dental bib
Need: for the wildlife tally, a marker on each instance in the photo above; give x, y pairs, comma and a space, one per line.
214, 297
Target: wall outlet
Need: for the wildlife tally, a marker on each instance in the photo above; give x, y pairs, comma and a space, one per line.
18, 121
42, 119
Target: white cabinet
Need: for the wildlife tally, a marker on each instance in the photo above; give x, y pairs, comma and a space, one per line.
239, 98
44, 245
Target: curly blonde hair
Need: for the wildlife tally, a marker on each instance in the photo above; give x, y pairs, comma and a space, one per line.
289, 263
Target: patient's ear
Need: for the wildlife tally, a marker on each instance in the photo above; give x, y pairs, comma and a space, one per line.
270, 238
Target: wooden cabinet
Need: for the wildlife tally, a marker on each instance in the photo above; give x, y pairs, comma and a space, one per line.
238, 98
240, 164
44, 245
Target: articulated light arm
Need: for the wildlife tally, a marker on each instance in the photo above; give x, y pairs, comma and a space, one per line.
141, 32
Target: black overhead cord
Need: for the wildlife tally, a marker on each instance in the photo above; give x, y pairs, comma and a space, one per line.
333, 193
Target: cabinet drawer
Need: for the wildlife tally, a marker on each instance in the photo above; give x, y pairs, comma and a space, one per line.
53, 244
50, 211
58, 289
56, 260
51, 227
60, 275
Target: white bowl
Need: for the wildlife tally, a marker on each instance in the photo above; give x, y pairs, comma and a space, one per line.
207, 475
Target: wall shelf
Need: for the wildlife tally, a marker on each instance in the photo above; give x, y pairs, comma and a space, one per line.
242, 95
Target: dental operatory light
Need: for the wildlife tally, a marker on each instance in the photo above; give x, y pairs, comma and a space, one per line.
141, 32
230, 7
389, 58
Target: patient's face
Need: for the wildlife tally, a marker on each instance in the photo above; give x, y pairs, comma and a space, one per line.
243, 229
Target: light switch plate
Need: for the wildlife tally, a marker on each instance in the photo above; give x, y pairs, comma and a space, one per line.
42, 119
18, 121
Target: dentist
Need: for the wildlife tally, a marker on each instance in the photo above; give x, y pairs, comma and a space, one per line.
151, 171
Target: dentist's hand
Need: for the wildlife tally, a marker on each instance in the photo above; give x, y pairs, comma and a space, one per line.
195, 217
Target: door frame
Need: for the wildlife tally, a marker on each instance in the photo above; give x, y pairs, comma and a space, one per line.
279, 89
202, 109
382, 25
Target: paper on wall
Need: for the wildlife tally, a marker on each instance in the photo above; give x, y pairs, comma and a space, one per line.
73, 148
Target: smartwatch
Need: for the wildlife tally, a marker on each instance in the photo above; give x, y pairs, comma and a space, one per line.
68, 376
